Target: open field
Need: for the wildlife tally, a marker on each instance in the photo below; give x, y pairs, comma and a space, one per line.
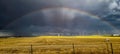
60, 45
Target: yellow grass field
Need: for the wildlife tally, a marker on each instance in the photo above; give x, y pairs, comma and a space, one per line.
60, 45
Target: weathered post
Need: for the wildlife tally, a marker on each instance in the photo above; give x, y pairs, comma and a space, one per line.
111, 46
31, 49
73, 48
107, 44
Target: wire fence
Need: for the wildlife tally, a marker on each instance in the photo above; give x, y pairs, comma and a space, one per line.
106, 48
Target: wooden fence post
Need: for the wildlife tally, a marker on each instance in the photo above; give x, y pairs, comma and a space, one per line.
31, 49
73, 49
111, 47
107, 44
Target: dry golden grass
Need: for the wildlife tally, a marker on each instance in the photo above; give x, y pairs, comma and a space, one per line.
59, 45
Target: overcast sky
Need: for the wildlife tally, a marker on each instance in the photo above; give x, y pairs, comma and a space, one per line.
20, 13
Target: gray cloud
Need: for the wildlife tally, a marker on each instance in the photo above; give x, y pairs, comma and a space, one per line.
16, 15
58, 20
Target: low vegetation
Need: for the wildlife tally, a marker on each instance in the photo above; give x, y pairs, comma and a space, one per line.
60, 45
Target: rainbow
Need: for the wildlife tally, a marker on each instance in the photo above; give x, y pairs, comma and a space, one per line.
72, 10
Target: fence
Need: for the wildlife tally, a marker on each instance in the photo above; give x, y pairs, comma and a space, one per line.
106, 48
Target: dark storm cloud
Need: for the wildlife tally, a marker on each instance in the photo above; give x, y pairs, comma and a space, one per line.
58, 20
13, 10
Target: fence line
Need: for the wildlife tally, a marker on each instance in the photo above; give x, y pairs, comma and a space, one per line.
109, 47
